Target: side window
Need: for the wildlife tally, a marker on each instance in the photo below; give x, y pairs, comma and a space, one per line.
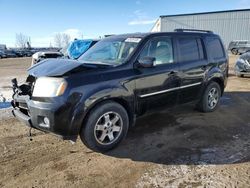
190, 49
160, 48
215, 48
242, 43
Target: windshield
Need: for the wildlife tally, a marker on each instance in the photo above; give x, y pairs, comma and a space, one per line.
112, 51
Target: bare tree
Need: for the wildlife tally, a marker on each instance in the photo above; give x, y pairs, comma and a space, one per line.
65, 40
22, 41
58, 40
61, 40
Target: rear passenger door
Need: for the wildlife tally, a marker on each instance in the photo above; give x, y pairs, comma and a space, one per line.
193, 65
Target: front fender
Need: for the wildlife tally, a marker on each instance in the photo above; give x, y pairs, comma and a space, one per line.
87, 102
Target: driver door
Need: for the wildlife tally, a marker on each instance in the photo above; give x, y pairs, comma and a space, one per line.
157, 86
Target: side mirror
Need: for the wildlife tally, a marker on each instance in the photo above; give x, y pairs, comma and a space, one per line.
146, 62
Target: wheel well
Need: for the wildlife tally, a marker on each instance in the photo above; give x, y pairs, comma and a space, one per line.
120, 101
220, 82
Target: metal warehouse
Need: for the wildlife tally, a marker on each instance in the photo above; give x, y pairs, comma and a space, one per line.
230, 25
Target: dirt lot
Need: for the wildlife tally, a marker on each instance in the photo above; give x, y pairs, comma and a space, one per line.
176, 148
9, 69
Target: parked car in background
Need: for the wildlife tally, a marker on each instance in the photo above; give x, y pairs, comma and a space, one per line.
242, 65
2, 54
10, 53
239, 47
74, 51
19, 53
100, 95
23, 52
39, 56
27, 53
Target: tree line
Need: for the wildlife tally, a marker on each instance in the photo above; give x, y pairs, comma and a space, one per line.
61, 40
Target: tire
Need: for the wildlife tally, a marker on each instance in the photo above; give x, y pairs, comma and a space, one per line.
207, 102
104, 120
234, 51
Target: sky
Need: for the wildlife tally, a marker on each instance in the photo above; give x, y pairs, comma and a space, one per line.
42, 19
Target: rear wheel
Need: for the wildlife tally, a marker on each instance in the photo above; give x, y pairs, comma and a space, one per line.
106, 126
210, 99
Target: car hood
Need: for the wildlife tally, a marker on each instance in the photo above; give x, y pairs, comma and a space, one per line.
57, 67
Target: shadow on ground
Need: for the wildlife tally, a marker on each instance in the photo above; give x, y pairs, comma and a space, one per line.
185, 136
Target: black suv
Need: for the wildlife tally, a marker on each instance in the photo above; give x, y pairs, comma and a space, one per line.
99, 95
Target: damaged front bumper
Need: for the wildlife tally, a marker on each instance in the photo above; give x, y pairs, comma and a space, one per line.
47, 115
20, 115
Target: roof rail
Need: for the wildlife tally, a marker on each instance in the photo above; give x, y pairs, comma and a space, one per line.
197, 30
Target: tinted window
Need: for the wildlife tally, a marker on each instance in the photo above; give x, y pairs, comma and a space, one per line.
189, 49
160, 48
215, 48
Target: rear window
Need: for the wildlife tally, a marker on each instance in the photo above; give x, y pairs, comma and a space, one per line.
190, 49
215, 48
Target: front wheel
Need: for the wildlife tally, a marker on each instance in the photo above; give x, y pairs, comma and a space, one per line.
106, 126
210, 98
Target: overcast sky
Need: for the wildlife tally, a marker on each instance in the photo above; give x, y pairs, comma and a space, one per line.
41, 19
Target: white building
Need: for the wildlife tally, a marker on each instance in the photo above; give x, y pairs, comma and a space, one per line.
230, 25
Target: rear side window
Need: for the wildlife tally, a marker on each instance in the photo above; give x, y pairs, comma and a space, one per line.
215, 48
190, 49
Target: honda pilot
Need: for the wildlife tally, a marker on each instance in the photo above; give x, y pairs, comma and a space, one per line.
100, 95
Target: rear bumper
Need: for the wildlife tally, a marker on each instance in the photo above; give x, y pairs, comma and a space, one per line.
243, 73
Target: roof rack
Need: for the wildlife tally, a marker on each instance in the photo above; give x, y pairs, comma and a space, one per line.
197, 30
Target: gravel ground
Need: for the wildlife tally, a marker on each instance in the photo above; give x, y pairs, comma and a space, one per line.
175, 148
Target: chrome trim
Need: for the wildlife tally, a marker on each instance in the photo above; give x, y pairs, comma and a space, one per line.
168, 90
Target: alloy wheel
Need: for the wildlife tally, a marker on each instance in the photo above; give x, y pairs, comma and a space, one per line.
108, 128
213, 98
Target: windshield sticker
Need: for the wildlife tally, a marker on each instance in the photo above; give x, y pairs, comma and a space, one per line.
135, 40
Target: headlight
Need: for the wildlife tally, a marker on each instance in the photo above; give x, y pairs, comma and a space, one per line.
49, 87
